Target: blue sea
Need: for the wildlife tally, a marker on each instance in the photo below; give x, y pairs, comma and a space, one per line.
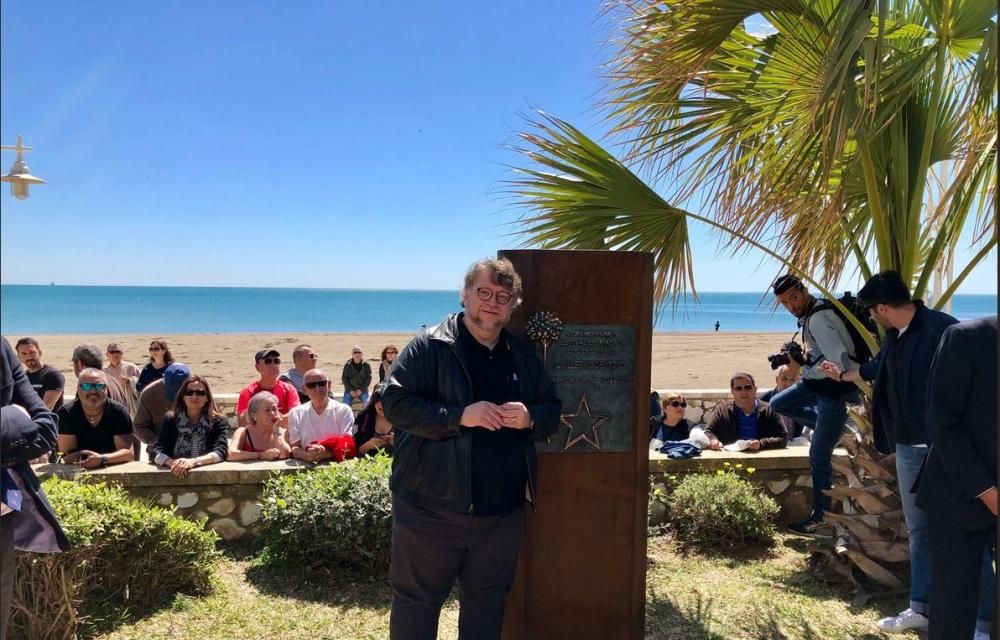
33, 309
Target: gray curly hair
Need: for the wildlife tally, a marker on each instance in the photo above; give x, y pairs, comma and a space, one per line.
255, 403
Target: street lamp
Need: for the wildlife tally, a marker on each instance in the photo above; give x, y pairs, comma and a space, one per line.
20, 177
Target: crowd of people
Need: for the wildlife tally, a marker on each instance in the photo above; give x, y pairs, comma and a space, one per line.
462, 436
293, 413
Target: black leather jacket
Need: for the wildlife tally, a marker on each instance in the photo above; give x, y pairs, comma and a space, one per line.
427, 392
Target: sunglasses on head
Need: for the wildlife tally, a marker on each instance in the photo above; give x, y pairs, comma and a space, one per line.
320, 384
745, 387
93, 386
201, 393
678, 403
271, 360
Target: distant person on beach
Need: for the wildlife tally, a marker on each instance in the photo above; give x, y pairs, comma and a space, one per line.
303, 359
194, 432
120, 369
155, 402
159, 358
468, 400
717, 325
94, 430
88, 356
388, 358
374, 431
319, 418
816, 400
746, 419
357, 377
784, 378
267, 361
27, 431
47, 381
262, 438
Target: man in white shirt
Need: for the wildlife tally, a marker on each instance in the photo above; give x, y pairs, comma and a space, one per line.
317, 419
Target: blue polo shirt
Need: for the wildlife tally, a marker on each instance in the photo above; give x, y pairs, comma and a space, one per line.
748, 423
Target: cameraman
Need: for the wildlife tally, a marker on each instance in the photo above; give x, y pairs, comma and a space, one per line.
816, 400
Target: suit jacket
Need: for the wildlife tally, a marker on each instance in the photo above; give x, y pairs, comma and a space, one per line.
962, 421
23, 438
724, 425
916, 353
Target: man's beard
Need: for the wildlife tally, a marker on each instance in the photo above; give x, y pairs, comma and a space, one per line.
487, 324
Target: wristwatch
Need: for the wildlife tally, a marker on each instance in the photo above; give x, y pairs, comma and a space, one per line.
840, 376
104, 461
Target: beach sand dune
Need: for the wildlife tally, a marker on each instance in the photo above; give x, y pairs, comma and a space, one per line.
680, 360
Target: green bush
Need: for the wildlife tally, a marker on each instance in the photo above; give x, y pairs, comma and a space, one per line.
127, 556
336, 517
721, 510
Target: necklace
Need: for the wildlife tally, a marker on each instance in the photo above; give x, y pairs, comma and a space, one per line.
93, 419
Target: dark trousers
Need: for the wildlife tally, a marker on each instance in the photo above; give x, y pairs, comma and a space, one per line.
430, 550
956, 577
6, 570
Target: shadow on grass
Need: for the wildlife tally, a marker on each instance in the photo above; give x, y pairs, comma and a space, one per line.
319, 585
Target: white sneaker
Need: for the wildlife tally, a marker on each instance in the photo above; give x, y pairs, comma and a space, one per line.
980, 635
905, 621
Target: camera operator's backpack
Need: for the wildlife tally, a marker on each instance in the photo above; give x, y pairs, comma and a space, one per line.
862, 352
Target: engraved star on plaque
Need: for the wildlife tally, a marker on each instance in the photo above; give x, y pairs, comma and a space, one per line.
583, 410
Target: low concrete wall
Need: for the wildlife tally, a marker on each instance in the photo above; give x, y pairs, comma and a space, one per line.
782, 474
228, 494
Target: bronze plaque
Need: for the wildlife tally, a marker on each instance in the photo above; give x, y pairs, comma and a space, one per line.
593, 368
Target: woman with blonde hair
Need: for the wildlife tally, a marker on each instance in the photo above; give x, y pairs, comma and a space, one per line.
263, 438
672, 425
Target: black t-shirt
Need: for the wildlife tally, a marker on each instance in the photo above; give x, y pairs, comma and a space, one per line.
499, 468
101, 436
47, 379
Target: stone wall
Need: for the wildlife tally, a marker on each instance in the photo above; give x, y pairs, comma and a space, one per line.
227, 495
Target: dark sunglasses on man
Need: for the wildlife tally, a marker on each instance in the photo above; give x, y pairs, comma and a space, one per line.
93, 386
321, 384
271, 360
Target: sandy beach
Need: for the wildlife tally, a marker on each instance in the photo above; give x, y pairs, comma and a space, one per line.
680, 360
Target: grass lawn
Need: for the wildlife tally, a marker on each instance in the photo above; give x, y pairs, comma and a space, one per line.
690, 596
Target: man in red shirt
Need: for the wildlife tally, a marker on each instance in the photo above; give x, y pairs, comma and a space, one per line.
268, 365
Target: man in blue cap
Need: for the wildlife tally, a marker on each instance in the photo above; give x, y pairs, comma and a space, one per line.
154, 402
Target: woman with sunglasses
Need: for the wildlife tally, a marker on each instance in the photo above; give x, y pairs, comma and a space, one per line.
263, 438
671, 426
194, 432
374, 431
159, 359
388, 358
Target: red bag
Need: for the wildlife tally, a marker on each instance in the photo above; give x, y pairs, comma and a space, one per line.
340, 447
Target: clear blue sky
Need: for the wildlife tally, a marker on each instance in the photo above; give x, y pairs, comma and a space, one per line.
303, 144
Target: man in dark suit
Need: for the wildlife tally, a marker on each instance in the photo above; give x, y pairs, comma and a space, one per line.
27, 430
958, 485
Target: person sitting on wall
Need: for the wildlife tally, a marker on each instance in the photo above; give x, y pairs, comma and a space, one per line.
374, 431
670, 426
193, 434
94, 431
317, 419
155, 402
745, 419
783, 379
263, 438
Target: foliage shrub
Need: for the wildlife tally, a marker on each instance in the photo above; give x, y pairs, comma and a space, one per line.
127, 556
336, 517
721, 510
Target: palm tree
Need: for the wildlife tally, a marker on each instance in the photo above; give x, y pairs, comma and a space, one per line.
817, 143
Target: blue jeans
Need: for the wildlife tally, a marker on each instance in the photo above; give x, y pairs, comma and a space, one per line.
348, 399
909, 460
827, 417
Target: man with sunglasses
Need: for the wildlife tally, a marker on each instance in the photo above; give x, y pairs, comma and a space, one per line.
745, 418
468, 400
94, 431
303, 359
268, 364
317, 419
